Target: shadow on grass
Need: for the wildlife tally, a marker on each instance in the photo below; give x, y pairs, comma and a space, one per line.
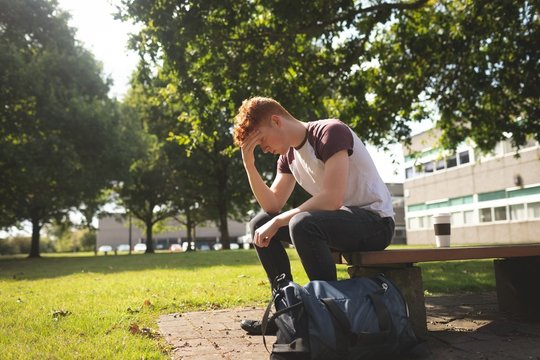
56, 266
445, 277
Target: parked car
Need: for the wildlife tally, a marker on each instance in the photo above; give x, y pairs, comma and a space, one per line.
232, 246
105, 249
141, 247
185, 245
204, 247
176, 248
122, 247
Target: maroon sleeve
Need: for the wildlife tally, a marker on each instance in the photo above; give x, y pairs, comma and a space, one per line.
283, 165
331, 138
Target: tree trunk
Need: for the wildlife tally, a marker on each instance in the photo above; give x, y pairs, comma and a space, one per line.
149, 242
194, 237
224, 229
223, 224
34, 245
223, 208
189, 229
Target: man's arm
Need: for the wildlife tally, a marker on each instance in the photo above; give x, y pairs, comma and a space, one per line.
331, 197
271, 199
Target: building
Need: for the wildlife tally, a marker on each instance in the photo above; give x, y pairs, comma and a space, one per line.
398, 202
114, 230
492, 198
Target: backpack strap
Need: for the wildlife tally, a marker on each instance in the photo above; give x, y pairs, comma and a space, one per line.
264, 322
339, 319
277, 292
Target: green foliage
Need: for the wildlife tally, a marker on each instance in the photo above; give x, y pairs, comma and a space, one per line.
21, 245
475, 62
472, 66
158, 185
72, 240
60, 134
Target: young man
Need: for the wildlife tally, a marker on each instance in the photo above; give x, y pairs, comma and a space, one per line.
350, 208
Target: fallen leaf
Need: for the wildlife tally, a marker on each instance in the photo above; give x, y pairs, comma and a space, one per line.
147, 332
134, 329
56, 314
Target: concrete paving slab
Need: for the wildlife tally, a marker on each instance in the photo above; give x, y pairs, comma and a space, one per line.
465, 326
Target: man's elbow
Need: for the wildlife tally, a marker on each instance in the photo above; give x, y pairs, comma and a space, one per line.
272, 209
335, 204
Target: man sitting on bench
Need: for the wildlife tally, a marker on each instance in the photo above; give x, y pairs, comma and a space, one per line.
350, 208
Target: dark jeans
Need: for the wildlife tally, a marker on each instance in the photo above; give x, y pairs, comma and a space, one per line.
314, 233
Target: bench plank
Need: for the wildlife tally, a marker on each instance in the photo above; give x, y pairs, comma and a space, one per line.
410, 256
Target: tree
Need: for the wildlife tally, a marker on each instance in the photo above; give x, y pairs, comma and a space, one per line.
59, 132
156, 188
376, 65
477, 62
147, 193
210, 72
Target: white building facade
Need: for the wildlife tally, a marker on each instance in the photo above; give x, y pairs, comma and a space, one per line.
115, 230
492, 198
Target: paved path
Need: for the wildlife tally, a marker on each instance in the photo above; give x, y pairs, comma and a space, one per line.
460, 327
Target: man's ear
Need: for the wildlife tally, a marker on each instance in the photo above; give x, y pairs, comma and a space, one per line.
276, 121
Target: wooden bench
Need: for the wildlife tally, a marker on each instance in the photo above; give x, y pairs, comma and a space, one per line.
517, 274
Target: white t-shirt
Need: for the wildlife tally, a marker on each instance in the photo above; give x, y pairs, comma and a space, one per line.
365, 187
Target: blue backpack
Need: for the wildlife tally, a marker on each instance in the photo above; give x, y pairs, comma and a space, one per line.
353, 319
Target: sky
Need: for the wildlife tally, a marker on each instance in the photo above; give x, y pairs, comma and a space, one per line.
107, 39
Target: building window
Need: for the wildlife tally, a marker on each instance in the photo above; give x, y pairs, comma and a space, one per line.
428, 167
440, 164
409, 173
517, 212
468, 217
464, 157
413, 223
457, 218
420, 222
500, 213
533, 210
451, 161
485, 215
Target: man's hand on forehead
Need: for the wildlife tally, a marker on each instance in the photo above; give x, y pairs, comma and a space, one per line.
254, 138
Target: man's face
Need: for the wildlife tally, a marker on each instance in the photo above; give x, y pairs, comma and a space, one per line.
273, 139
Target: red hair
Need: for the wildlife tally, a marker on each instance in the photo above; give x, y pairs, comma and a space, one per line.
252, 113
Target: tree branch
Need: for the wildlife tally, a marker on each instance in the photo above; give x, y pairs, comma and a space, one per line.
349, 16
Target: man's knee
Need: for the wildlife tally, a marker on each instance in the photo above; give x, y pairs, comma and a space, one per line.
258, 221
300, 225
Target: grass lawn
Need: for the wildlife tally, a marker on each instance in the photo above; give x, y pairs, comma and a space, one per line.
106, 307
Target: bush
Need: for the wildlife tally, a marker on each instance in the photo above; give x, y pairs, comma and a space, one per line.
88, 240
7, 248
22, 244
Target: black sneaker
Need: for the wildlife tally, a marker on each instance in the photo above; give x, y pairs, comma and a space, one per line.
254, 327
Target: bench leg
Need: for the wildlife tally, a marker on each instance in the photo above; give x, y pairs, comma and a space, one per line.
518, 292
409, 281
